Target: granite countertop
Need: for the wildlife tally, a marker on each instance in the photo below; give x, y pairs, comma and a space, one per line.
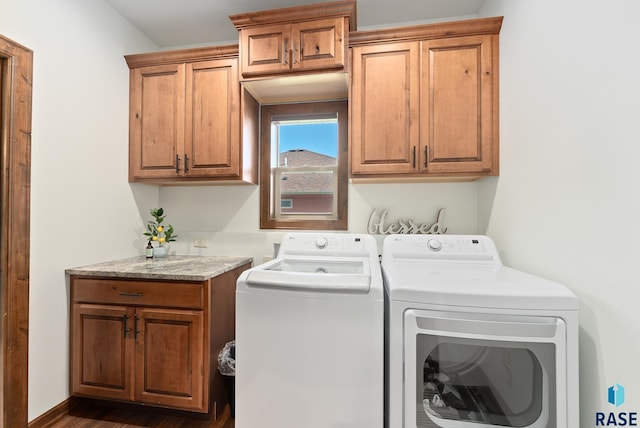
176, 268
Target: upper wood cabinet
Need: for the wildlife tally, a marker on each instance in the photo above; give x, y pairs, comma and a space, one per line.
295, 40
385, 108
425, 101
185, 118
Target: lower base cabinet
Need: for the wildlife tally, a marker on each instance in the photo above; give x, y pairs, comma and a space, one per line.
152, 342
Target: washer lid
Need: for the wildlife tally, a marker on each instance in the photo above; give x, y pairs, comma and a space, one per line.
313, 275
474, 286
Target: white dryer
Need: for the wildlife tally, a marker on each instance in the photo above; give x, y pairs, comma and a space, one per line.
309, 336
471, 343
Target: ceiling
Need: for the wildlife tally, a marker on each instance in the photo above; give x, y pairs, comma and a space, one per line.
194, 22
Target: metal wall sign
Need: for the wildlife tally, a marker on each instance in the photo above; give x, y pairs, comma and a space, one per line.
379, 224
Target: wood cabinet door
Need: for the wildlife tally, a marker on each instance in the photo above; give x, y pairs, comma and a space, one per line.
264, 49
156, 124
457, 105
384, 108
318, 44
102, 351
169, 361
212, 134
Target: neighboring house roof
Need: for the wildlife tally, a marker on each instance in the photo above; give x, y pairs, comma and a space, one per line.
301, 157
306, 182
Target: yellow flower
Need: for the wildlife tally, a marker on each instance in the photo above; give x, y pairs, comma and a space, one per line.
159, 229
162, 239
155, 238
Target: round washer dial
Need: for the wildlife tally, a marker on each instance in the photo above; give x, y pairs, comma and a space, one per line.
321, 243
434, 245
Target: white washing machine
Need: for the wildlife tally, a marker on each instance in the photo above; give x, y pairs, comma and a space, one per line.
309, 336
471, 343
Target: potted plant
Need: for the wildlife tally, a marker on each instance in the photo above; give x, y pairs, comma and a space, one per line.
159, 233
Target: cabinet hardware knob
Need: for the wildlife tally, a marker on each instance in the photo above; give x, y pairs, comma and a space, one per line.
426, 156
177, 164
186, 166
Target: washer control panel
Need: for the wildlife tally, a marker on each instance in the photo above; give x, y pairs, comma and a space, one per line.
329, 244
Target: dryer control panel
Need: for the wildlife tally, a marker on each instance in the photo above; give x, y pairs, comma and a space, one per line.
450, 248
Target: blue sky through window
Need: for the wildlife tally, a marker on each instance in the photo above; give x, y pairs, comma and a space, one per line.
319, 137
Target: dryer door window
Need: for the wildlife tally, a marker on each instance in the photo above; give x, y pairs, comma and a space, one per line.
496, 385
494, 379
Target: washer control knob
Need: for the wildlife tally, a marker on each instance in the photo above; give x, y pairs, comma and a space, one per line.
434, 245
321, 243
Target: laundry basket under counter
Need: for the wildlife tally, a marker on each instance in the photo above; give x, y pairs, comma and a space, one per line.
149, 331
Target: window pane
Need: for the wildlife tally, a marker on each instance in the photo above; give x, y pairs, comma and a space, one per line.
305, 166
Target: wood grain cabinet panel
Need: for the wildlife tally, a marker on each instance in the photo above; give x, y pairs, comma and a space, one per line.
212, 131
456, 120
283, 48
170, 359
264, 49
134, 345
157, 121
384, 108
185, 118
102, 351
295, 40
425, 102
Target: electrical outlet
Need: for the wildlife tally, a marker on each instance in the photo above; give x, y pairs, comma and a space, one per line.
200, 243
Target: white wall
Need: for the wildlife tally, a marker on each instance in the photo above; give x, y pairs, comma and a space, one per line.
82, 208
566, 203
228, 218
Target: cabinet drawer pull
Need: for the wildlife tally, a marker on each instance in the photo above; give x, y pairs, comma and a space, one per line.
426, 156
414, 157
295, 53
131, 294
186, 166
177, 164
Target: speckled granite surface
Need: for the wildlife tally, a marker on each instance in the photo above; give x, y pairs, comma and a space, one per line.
176, 268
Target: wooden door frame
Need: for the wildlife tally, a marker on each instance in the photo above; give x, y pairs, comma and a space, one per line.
16, 73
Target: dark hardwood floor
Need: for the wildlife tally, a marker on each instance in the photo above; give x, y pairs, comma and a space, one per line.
103, 415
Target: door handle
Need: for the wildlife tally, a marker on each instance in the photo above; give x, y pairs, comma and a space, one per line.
125, 330
135, 326
284, 52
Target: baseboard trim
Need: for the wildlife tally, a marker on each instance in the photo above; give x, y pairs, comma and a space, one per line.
54, 414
